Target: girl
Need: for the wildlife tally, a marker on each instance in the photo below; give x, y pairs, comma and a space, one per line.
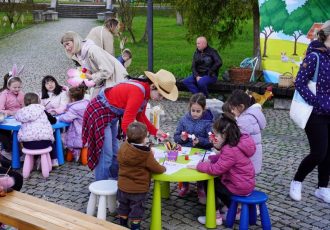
197, 121
36, 131
53, 96
250, 120
318, 124
104, 69
126, 101
11, 100
232, 164
74, 115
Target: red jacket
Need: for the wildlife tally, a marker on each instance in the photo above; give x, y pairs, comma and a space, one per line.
130, 98
234, 166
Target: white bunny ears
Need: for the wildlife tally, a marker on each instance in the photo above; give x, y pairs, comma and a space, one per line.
15, 72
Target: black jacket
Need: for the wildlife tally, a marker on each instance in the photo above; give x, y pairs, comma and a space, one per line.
206, 62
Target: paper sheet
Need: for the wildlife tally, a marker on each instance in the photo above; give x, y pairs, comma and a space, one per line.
184, 151
11, 122
173, 167
158, 153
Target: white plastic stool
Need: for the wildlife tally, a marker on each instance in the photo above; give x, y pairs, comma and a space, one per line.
106, 191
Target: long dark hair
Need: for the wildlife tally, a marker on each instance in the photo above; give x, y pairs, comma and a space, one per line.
239, 97
44, 92
7, 83
226, 125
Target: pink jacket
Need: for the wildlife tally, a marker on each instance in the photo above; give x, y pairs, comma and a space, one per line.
35, 125
74, 115
234, 166
10, 103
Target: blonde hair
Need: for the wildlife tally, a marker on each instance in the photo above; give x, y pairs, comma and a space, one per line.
75, 38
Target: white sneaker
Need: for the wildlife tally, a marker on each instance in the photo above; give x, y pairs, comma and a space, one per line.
55, 163
323, 193
202, 219
295, 190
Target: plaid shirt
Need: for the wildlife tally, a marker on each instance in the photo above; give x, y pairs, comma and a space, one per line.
96, 118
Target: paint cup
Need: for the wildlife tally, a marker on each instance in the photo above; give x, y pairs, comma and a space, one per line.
172, 155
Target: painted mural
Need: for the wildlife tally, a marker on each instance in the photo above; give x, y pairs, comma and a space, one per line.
287, 27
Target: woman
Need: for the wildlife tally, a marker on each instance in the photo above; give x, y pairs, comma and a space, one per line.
126, 101
318, 125
104, 69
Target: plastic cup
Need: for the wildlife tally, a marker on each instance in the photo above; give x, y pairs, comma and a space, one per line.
5, 183
172, 155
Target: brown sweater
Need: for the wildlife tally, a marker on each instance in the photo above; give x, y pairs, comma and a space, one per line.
135, 168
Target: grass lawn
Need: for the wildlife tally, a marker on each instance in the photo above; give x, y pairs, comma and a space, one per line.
5, 27
172, 51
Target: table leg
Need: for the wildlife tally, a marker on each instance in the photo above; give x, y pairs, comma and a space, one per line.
15, 163
59, 148
210, 205
165, 189
156, 211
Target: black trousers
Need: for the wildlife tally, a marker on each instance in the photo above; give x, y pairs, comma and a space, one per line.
221, 192
318, 134
17, 177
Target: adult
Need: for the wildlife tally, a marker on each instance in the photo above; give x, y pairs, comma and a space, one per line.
103, 36
318, 125
205, 68
126, 101
103, 68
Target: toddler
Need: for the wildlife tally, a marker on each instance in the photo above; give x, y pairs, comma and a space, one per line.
11, 100
125, 58
136, 163
53, 96
250, 120
74, 114
232, 165
197, 121
36, 131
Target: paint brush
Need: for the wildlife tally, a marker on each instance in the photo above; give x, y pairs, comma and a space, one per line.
204, 155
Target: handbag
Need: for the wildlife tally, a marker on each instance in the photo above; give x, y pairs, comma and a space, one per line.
285, 80
300, 110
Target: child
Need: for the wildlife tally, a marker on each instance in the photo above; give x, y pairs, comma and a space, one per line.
36, 131
53, 96
198, 121
232, 164
136, 163
74, 115
11, 100
125, 58
250, 120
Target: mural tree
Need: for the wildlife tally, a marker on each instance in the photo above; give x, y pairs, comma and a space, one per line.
298, 24
274, 16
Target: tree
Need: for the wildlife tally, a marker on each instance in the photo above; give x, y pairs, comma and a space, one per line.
298, 24
274, 16
126, 12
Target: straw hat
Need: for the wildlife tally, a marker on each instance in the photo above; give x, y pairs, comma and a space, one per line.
165, 83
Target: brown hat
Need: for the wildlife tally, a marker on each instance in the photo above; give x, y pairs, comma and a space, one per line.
165, 83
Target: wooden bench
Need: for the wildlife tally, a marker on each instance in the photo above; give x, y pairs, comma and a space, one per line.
258, 87
26, 212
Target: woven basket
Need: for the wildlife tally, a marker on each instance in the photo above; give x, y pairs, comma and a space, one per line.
240, 75
285, 80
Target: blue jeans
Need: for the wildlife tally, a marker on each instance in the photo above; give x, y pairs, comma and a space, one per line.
107, 168
199, 86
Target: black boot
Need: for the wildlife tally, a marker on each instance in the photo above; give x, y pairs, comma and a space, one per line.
135, 226
123, 222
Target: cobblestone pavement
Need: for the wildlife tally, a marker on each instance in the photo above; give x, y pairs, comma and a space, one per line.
284, 146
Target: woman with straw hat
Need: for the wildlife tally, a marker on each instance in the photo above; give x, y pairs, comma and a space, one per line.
127, 102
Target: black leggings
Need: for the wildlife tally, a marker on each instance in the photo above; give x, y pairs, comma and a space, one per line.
17, 177
221, 192
318, 134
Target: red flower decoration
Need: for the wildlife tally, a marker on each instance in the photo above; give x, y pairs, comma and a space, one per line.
84, 70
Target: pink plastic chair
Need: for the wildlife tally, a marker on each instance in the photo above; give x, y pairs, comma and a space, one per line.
46, 164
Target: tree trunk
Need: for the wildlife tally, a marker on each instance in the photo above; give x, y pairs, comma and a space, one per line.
256, 32
265, 46
295, 44
179, 18
132, 35
145, 34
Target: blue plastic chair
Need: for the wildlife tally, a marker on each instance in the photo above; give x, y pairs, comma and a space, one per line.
249, 211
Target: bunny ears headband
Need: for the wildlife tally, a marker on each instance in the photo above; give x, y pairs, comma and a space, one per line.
14, 72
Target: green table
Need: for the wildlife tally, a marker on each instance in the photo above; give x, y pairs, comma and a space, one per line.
185, 175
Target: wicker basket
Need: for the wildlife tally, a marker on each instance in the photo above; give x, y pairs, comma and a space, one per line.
285, 80
240, 75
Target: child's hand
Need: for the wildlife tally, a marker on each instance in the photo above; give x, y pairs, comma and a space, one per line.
195, 141
2, 192
192, 167
161, 135
184, 136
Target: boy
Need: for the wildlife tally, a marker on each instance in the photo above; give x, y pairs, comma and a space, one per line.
136, 163
125, 58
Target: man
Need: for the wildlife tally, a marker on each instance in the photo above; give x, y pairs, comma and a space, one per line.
205, 67
103, 36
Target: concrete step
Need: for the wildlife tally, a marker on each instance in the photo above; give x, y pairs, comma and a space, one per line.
79, 11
